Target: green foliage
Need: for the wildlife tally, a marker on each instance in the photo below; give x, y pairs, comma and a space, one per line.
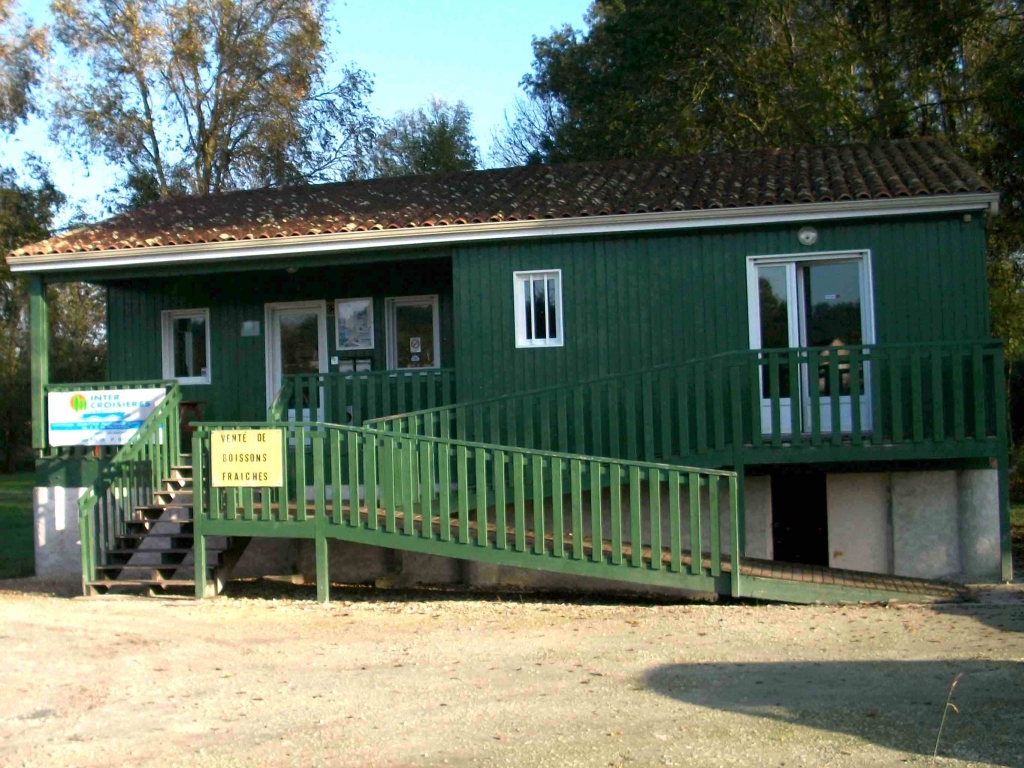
16, 555
434, 139
200, 96
22, 49
77, 310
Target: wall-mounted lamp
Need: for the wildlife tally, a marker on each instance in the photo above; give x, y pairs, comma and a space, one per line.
807, 235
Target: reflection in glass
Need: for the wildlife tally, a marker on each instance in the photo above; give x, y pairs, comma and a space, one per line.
414, 334
539, 310
774, 304
300, 346
190, 347
833, 317
552, 318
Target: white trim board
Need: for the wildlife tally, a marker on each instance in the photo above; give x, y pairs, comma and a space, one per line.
303, 245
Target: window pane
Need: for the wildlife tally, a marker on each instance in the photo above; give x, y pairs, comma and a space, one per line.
414, 335
528, 317
189, 347
552, 308
833, 317
300, 341
773, 296
540, 327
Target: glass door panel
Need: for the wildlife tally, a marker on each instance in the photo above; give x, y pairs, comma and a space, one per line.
775, 329
815, 303
833, 317
298, 346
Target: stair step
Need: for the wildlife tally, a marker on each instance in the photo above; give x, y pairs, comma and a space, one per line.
136, 524
124, 561
152, 567
176, 496
141, 583
169, 551
156, 515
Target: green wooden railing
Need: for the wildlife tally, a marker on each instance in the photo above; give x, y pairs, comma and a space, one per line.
609, 518
926, 399
100, 451
352, 398
131, 477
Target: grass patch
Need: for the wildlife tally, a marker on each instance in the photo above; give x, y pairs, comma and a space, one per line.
1017, 536
16, 554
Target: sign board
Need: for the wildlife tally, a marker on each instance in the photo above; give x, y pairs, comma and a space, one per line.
246, 458
99, 417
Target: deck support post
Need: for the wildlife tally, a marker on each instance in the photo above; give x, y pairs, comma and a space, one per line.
1005, 541
323, 583
39, 336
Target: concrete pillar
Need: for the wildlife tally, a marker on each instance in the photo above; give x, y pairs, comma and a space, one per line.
859, 528
926, 529
979, 524
58, 546
758, 498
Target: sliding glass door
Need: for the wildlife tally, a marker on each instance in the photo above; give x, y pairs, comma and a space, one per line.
822, 303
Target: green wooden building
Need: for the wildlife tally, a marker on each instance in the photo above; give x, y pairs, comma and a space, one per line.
758, 374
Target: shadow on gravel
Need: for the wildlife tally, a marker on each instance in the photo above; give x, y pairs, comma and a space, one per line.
1008, 617
894, 704
269, 589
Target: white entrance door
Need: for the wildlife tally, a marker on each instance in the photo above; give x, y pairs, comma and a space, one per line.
296, 344
812, 301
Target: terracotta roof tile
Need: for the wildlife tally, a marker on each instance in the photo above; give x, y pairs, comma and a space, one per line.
701, 182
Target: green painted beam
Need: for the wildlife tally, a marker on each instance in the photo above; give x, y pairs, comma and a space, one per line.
39, 337
802, 592
273, 529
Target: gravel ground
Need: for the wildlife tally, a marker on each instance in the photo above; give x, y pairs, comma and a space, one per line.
266, 677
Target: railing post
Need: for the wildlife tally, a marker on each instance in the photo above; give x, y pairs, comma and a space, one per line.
323, 584
198, 539
735, 489
86, 507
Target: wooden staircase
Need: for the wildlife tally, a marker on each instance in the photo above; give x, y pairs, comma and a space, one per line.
156, 551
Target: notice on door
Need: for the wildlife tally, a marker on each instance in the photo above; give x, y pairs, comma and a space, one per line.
246, 458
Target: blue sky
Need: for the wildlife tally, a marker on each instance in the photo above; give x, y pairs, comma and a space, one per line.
473, 51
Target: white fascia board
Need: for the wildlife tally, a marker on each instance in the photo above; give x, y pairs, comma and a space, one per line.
303, 245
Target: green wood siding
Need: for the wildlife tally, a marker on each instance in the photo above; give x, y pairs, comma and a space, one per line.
237, 390
630, 301
636, 301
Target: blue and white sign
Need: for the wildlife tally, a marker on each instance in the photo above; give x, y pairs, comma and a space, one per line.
100, 417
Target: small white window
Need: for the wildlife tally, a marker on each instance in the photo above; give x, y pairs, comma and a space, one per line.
538, 308
186, 345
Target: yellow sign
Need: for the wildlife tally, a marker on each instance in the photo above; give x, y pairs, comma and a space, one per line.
246, 458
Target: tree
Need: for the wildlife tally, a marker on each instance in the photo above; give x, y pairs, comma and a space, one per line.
650, 77
26, 215
200, 96
437, 138
22, 50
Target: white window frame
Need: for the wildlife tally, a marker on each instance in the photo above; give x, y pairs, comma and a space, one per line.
167, 318
391, 328
518, 282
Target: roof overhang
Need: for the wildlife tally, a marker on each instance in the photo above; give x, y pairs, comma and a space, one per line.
303, 245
